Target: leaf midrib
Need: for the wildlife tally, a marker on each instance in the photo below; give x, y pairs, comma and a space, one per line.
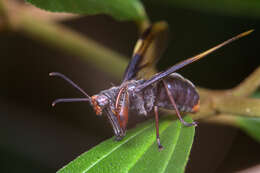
173, 148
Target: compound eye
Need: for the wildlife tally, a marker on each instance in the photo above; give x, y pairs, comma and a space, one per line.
99, 102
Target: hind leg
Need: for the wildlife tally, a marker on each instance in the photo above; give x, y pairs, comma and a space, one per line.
175, 107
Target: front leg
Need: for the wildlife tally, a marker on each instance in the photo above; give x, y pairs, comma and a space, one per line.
119, 138
122, 108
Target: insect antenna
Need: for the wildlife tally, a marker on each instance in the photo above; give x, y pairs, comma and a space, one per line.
64, 100
74, 85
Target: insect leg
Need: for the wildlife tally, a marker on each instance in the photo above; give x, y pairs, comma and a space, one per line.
122, 105
175, 107
157, 127
70, 82
117, 104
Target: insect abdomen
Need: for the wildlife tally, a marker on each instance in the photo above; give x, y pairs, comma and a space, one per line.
183, 92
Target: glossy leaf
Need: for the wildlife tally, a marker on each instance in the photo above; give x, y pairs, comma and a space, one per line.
138, 151
119, 9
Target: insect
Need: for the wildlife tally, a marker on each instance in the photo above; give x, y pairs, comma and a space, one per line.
140, 93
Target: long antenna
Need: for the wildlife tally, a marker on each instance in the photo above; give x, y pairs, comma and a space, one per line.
70, 81
63, 100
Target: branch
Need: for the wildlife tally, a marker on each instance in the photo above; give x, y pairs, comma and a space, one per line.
238, 106
249, 85
227, 119
57, 35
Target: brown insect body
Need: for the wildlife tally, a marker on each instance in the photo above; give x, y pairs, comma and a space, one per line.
141, 95
143, 102
183, 91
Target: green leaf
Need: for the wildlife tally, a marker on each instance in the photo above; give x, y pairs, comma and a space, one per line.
138, 151
119, 9
256, 95
246, 8
251, 125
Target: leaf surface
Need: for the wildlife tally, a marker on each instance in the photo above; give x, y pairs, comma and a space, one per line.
119, 9
251, 126
138, 151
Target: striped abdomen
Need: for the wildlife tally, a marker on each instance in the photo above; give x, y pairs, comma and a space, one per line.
183, 92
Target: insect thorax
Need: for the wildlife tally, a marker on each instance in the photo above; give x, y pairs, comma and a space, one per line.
139, 103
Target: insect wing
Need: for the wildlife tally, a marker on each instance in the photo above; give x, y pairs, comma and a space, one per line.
147, 52
181, 64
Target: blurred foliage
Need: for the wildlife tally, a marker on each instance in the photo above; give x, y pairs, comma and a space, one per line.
222, 7
119, 9
13, 161
250, 125
134, 10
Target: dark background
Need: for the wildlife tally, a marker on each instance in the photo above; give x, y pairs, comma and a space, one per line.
35, 136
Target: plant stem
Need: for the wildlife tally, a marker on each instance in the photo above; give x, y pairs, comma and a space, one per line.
249, 85
57, 35
238, 105
227, 119
76, 44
